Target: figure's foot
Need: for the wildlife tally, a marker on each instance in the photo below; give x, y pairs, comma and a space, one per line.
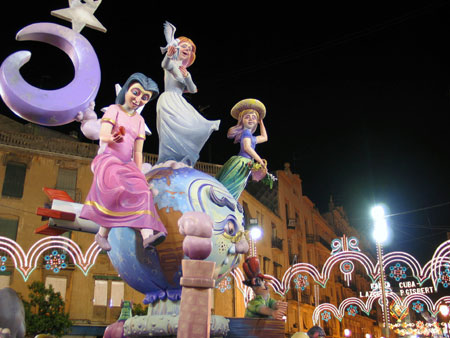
102, 242
154, 240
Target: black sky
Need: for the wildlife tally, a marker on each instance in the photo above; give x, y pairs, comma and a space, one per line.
357, 94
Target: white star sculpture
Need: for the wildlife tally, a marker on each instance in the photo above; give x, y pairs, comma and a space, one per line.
81, 13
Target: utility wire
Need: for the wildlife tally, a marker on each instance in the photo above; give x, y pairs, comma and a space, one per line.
403, 212
420, 209
17, 209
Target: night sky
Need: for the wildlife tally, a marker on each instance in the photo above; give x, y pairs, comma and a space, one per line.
357, 96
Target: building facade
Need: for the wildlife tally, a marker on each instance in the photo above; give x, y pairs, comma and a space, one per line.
33, 158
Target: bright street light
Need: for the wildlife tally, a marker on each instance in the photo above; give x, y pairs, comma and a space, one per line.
255, 232
347, 332
380, 225
380, 235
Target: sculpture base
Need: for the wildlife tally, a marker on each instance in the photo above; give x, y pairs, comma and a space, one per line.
195, 307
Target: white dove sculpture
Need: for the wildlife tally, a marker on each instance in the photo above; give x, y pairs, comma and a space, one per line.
169, 34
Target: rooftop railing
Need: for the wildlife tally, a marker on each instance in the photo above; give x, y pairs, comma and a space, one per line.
76, 148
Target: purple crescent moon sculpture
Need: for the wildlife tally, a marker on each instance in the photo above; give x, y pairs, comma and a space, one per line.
51, 107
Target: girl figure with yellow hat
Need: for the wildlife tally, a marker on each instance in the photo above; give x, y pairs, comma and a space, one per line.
235, 172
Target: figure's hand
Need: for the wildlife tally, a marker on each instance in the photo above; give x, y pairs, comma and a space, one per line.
171, 51
117, 137
184, 71
281, 305
278, 314
263, 163
280, 310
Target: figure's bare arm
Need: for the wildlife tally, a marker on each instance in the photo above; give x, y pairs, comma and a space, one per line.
263, 137
138, 146
106, 135
247, 143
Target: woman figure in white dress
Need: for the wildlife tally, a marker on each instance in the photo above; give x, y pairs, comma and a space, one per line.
181, 129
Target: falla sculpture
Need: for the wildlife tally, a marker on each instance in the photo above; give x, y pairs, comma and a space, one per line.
171, 232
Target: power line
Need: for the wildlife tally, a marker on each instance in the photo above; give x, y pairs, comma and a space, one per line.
17, 209
420, 209
403, 212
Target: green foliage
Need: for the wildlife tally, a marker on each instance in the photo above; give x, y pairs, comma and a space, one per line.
44, 312
139, 310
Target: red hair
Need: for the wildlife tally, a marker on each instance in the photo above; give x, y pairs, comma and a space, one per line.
182, 39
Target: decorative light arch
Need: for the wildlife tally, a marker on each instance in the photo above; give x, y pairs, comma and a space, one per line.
346, 250
26, 263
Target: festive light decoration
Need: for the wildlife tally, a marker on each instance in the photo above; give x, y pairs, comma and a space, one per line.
417, 306
26, 263
398, 272
246, 291
352, 310
301, 282
224, 284
444, 277
345, 252
3, 260
397, 312
55, 261
418, 328
326, 316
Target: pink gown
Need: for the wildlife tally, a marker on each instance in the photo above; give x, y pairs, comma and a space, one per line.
120, 195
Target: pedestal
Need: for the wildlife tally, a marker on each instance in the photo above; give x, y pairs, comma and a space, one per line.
195, 306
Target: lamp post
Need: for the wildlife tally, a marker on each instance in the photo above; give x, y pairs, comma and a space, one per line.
380, 235
444, 310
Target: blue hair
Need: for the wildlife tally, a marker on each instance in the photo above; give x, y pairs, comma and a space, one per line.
146, 83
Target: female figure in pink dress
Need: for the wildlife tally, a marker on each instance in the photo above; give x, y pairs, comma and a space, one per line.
120, 195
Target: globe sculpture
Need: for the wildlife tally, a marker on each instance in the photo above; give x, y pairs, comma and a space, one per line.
157, 272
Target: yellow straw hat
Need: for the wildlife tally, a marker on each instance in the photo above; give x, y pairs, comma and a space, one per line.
246, 104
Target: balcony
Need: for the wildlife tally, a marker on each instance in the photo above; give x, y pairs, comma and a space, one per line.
310, 238
277, 243
325, 243
77, 148
291, 223
306, 299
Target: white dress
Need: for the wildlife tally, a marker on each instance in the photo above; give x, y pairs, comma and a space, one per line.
181, 129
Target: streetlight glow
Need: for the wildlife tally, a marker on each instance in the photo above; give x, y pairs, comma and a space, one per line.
255, 233
380, 225
380, 234
444, 310
347, 332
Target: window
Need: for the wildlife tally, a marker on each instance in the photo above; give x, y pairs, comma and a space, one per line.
8, 227
14, 179
5, 281
287, 213
266, 262
300, 254
117, 293
247, 214
116, 289
277, 270
101, 293
58, 285
67, 181
274, 230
